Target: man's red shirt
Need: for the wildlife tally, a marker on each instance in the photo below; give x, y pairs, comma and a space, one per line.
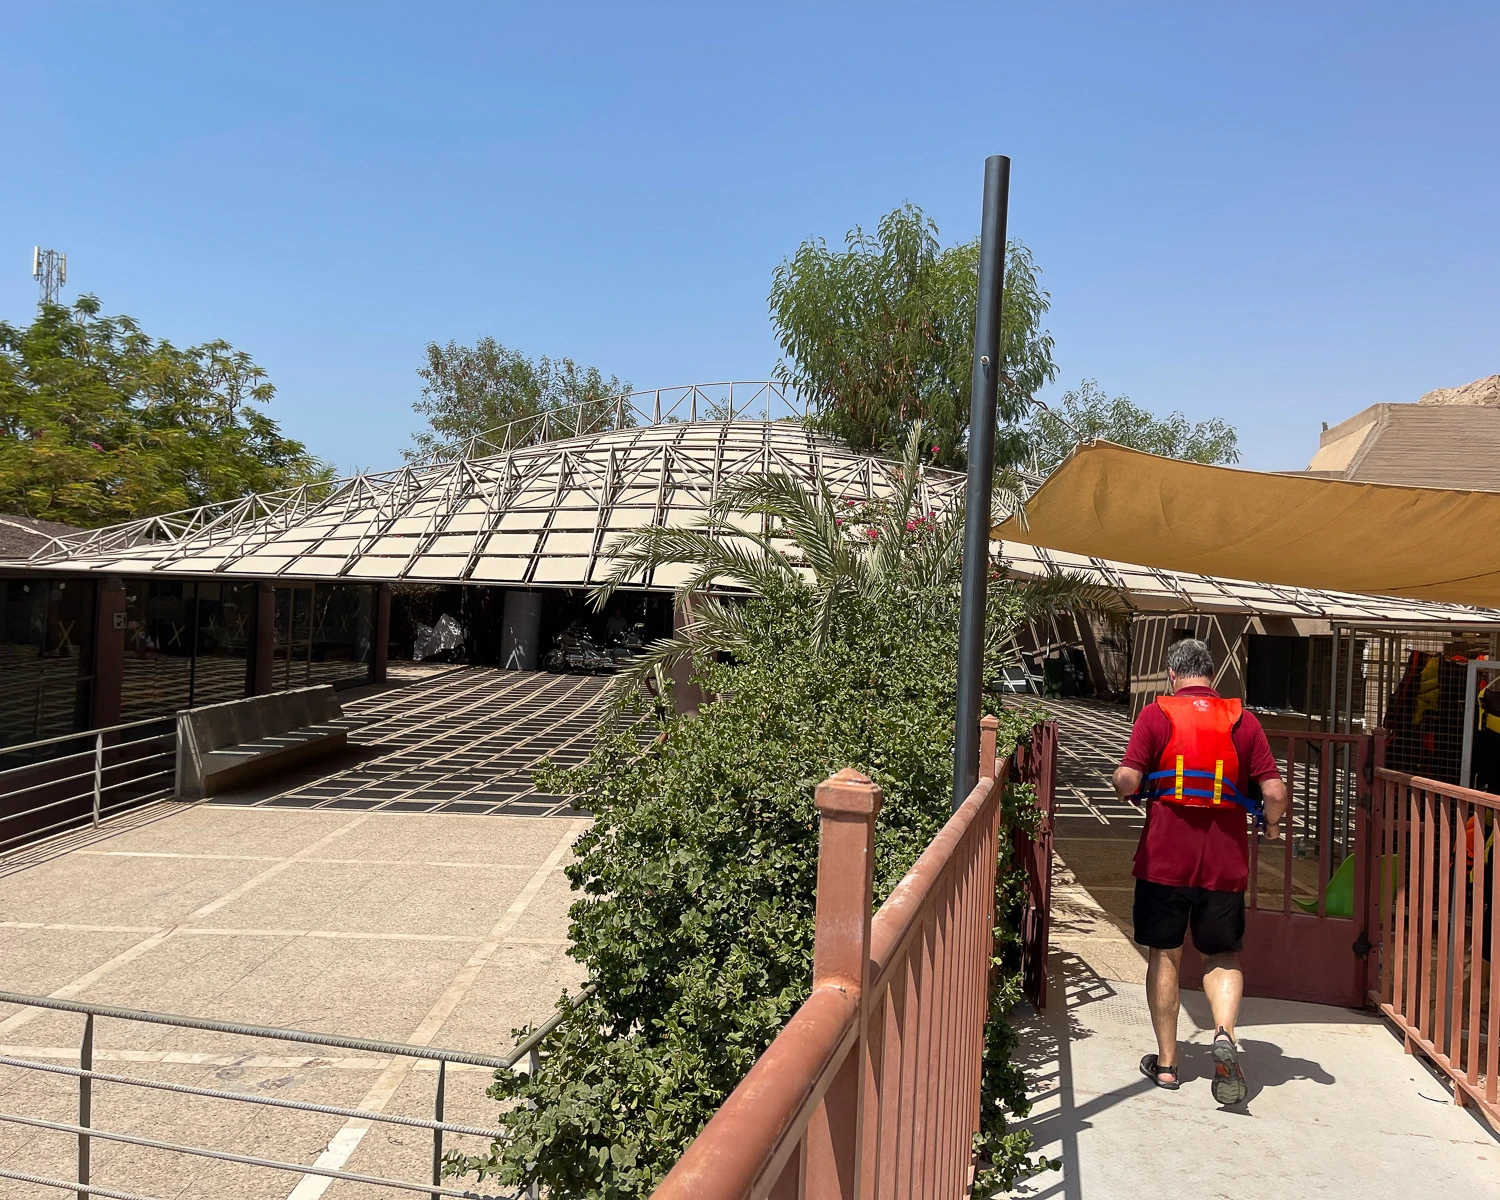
1183, 846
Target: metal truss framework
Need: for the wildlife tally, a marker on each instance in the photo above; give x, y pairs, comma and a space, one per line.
541, 514
514, 507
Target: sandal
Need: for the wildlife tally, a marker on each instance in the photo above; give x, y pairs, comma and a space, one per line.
1229, 1085
1154, 1071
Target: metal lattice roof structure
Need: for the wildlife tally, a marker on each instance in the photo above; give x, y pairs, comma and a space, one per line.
538, 513
536, 502
1153, 590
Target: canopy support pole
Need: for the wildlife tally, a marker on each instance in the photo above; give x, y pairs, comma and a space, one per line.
982, 386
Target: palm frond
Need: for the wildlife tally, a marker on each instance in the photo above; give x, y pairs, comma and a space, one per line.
712, 551
716, 626
1067, 592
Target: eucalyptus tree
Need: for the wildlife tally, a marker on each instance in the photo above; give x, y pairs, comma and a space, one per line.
102, 422
1087, 412
880, 335
471, 390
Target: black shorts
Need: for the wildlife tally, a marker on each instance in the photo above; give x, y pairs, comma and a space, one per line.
1162, 915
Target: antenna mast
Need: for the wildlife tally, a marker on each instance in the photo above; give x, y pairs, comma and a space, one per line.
50, 269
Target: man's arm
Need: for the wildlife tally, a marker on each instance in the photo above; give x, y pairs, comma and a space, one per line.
1127, 781
1273, 798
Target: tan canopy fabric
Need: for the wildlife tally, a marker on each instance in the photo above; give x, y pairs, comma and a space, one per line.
1420, 543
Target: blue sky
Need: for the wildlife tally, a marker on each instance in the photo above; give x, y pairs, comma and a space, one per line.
1272, 213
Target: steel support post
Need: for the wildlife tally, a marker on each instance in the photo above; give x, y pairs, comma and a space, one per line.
982, 386
85, 1100
437, 1134
98, 775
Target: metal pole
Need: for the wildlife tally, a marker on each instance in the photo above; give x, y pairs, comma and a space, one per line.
437, 1134
98, 775
85, 1100
533, 1065
982, 384
1471, 719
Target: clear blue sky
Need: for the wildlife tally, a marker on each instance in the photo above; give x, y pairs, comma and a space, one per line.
1272, 213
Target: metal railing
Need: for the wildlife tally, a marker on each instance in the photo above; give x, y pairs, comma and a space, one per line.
1036, 763
872, 1088
115, 768
1436, 892
87, 1132
751, 400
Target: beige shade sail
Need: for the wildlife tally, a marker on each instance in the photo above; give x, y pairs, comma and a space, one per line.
1420, 543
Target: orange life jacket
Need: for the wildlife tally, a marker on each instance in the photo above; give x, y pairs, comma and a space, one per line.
1199, 766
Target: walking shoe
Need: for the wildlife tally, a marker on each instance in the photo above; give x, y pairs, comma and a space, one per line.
1229, 1085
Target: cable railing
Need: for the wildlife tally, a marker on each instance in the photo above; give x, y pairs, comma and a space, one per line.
87, 1132
115, 768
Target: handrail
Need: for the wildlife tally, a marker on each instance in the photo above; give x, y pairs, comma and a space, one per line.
306, 1037
872, 1087
68, 737
87, 1132
1453, 790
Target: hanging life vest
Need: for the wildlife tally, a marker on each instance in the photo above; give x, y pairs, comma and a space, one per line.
1199, 766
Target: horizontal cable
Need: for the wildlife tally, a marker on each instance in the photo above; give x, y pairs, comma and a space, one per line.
83, 733
396, 1049
270, 1102
32, 835
248, 1160
86, 1188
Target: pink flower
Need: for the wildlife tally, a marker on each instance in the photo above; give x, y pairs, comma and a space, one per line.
911, 526
872, 534
935, 449
96, 445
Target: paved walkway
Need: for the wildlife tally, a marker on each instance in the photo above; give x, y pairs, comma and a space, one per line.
1336, 1109
355, 916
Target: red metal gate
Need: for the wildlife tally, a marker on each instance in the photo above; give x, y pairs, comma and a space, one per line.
1036, 764
1307, 930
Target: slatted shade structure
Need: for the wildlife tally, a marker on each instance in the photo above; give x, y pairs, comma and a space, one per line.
538, 515
1156, 590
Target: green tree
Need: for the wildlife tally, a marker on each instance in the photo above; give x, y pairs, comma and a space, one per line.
100, 422
471, 391
696, 880
881, 334
1086, 413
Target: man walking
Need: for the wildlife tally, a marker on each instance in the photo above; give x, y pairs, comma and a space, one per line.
1197, 759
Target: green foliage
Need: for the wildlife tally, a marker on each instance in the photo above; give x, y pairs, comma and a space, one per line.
695, 920
697, 883
101, 423
881, 335
846, 548
473, 390
1086, 412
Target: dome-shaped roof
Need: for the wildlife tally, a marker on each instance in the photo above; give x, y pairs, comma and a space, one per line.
539, 514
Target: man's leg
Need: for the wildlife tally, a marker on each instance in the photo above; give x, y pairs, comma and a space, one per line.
1162, 998
1224, 984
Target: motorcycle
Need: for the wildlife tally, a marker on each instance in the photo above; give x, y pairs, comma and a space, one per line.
626, 644
574, 652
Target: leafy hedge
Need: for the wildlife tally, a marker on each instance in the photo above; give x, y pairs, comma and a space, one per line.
697, 888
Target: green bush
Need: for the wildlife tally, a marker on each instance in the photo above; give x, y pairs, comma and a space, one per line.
696, 882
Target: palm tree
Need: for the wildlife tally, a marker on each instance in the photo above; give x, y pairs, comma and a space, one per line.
832, 549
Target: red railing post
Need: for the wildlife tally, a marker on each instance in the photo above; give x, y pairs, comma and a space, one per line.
847, 803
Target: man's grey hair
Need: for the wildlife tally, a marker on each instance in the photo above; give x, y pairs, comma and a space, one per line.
1190, 659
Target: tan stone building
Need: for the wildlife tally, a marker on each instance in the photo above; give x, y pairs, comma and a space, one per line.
1449, 438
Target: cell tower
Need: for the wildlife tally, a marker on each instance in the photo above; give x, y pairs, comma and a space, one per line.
50, 269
